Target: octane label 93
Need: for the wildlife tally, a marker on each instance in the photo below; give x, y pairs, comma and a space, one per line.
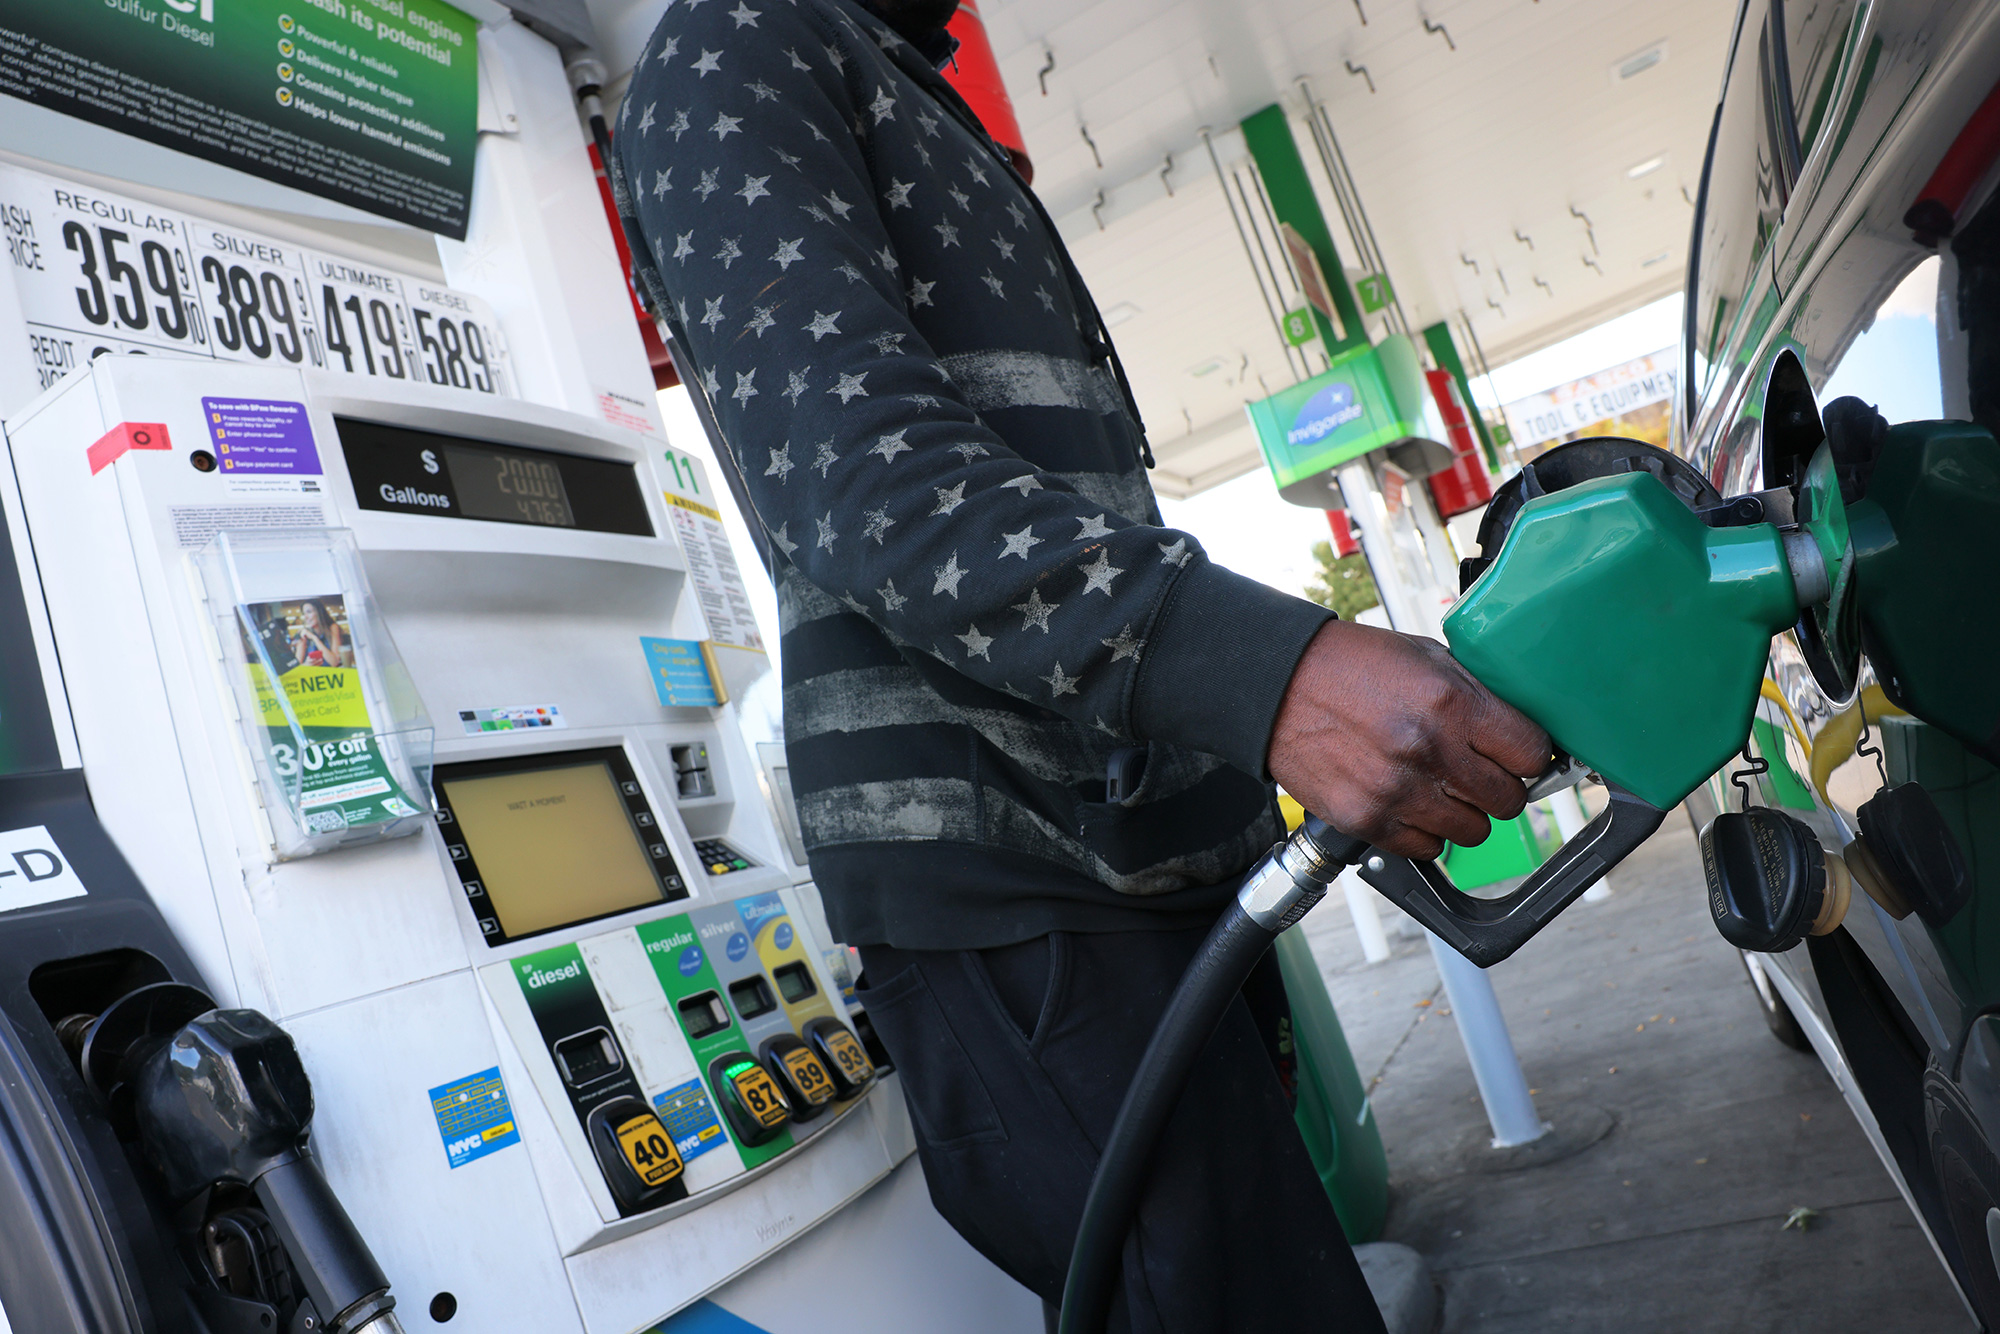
98, 272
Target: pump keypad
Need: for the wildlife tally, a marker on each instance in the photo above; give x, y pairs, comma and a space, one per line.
718, 858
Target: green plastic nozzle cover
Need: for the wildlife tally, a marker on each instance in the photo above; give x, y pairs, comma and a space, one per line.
1634, 634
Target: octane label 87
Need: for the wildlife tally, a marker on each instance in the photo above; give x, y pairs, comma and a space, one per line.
101, 273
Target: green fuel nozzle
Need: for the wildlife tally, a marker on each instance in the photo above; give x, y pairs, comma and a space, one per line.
1635, 633
1629, 613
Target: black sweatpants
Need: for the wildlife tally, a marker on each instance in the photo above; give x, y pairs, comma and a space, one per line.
1014, 1062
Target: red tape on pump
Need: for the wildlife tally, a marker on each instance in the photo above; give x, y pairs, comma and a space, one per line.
124, 436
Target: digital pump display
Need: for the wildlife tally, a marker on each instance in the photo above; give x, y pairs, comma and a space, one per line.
554, 845
399, 470
511, 486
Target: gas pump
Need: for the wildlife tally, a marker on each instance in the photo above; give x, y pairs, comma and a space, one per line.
357, 681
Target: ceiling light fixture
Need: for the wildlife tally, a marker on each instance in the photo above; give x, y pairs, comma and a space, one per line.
1638, 62
1650, 261
1119, 313
1651, 164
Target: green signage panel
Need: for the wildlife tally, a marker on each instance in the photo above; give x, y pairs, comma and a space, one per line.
1321, 423
370, 102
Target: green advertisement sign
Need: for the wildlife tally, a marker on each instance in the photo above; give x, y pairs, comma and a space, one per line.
1318, 424
370, 102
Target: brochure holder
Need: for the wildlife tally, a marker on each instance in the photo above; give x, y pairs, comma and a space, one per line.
338, 738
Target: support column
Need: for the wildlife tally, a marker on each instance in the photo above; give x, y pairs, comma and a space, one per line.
1495, 1068
1408, 583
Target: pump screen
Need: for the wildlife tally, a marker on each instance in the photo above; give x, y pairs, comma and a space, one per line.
751, 997
703, 1015
794, 982
513, 487
399, 470
554, 846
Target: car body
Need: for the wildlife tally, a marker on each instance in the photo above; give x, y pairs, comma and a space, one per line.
1840, 251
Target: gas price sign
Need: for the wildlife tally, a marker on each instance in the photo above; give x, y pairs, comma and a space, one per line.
97, 272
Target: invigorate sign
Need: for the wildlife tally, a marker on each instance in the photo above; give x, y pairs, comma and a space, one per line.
370, 102
1336, 416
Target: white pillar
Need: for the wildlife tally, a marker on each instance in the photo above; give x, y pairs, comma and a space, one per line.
1407, 574
1495, 1067
1367, 916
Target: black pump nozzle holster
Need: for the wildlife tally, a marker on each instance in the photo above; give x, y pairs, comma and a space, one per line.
223, 1100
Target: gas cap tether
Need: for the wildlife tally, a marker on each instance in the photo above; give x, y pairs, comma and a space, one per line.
1770, 884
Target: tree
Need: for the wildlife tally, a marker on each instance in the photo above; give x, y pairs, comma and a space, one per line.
1343, 584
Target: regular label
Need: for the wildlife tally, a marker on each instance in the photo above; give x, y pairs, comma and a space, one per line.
33, 870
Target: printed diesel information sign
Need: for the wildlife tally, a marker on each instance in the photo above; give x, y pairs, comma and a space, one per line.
370, 102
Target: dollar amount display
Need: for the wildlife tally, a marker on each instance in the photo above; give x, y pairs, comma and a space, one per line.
100, 273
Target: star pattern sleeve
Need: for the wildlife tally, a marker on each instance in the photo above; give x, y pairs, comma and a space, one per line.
770, 216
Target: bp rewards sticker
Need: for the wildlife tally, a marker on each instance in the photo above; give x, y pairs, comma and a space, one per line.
474, 1117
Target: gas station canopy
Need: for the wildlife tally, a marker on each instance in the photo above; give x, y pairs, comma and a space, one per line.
1531, 165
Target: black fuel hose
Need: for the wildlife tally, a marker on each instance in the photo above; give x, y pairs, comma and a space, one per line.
1276, 893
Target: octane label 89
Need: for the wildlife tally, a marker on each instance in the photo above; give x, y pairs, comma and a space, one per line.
101, 273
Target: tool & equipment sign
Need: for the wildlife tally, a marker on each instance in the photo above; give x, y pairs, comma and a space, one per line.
98, 272
374, 103
33, 870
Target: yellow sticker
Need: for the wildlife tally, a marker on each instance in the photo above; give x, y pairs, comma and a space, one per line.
760, 1094
850, 1056
809, 1075
643, 1141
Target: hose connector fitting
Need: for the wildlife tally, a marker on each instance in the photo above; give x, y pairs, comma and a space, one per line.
1294, 876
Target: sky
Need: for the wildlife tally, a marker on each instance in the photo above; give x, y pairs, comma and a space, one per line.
1242, 524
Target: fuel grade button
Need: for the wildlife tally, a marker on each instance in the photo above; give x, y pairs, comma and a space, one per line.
808, 1086
845, 1059
636, 1155
750, 1098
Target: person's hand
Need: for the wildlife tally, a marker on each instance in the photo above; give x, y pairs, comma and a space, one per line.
1385, 737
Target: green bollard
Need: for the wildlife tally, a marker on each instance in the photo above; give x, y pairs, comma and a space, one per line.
1334, 1115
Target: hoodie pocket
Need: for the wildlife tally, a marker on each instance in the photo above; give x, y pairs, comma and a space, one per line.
948, 1100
